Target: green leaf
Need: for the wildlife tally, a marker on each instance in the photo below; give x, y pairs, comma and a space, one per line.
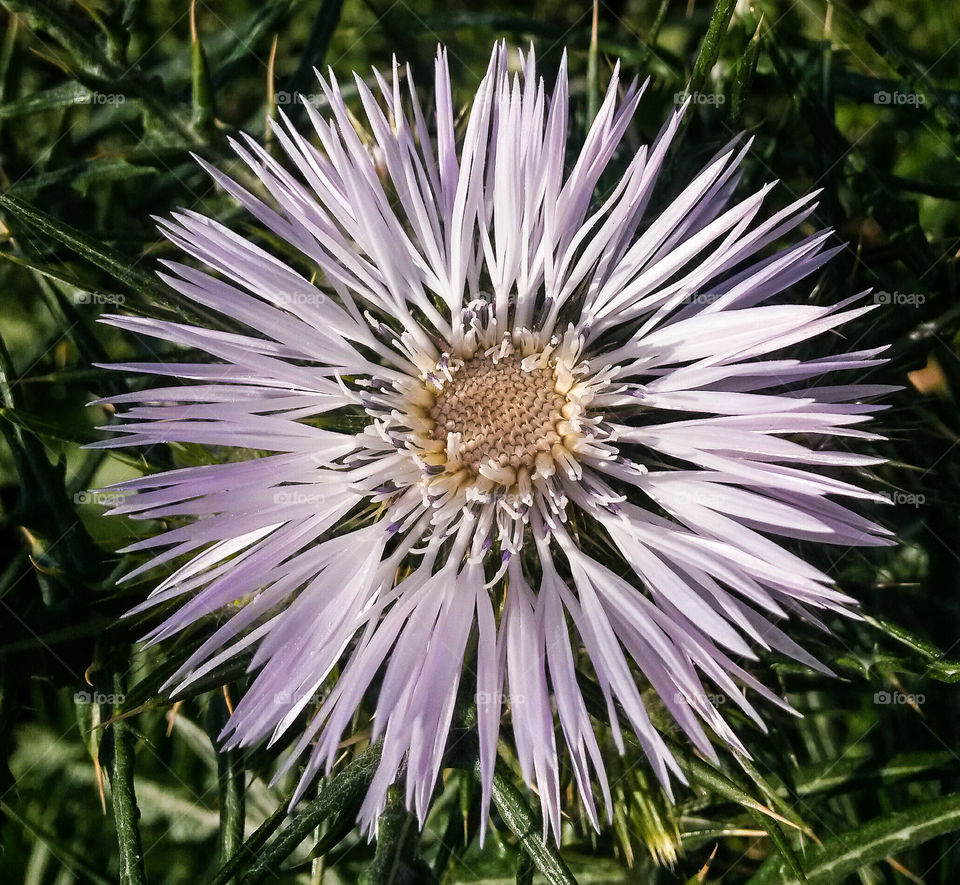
41, 15
147, 690
850, 851
851, 773
65, 96
593, 76
523, 823
262, 23
696, 769
250, 849
913, 72
708, 777
99, 70
654, 31
43, 503
915, 643
869, 666
81, 176
745, 71
122, 267
710, 46
42, 427
71, 861
346, 788
230, 781
200, 80
64, 310
116, 264
58, 274
396, 860
315, 52
125, 812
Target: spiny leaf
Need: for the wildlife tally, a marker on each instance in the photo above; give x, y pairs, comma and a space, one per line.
346, 787
850, 851
125, 812
119, 266
71, 862
263, 22
850, 773
42, 427
522, 822
745, 71
113, 262
65, 96
201, 84
55, 21
81, 176
230, 779
396, 860
315, 52
250, 849
710, 47
593, 82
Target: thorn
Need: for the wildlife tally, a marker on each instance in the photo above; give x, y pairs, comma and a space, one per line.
226, 697
172, 716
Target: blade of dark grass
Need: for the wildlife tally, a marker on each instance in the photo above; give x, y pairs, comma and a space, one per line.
126, 814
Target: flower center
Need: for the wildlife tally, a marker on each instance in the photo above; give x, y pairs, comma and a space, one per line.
505, 416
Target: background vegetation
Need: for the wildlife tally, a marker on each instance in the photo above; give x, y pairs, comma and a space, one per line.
101, 105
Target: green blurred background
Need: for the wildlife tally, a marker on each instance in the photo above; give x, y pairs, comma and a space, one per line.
101, 105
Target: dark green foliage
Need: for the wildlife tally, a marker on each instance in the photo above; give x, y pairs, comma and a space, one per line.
104, 779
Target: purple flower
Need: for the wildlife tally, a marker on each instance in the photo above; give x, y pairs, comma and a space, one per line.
535, 365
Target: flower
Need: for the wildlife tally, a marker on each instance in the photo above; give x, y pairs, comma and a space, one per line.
577, 428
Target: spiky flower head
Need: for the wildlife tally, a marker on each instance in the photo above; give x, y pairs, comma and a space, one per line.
576, 428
